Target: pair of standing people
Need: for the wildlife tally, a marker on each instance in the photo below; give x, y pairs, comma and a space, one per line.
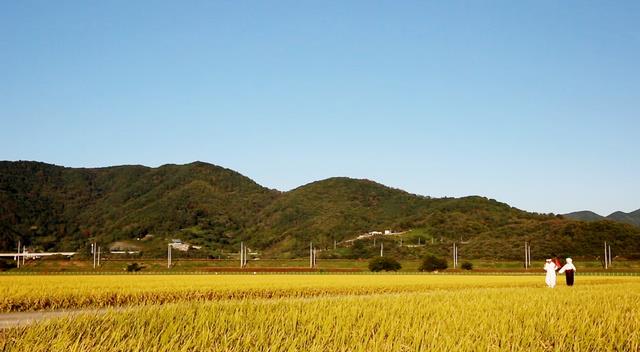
550, 267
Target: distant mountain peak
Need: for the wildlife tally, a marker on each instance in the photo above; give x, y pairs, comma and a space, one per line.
632, 218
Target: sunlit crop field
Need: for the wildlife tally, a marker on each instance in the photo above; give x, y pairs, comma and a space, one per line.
30, 293
330, 313
26, 293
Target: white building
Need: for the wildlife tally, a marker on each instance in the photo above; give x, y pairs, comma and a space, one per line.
180, 246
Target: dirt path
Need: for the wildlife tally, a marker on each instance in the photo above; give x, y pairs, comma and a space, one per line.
12, 320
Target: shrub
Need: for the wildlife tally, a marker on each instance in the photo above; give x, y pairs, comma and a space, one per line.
133, 267
6, 264
467, 266
384, 263
432, 263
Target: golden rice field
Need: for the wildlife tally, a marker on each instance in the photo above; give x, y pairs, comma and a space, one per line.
333, 313
28, 293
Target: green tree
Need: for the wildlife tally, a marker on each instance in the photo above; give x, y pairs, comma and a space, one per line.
384, 263
432, 263
133, 267
359, 250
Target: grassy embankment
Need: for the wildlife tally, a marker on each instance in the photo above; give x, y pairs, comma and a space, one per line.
159, 265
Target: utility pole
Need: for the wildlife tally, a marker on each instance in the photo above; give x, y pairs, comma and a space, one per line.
94, 251
169, 256
382, 249
243, 255
246, 256
606, 257
98, 256
18, 256
313, 256
455, 255
610, 261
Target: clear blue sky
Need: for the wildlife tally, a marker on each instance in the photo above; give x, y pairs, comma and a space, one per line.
532, 103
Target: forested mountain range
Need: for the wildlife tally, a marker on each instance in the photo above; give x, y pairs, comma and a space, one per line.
632, 218
50, 207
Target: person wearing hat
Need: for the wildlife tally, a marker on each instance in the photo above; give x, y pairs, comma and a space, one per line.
569, 269
550, 267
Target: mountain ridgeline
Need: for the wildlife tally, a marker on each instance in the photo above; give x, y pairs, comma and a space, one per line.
50, 207
632, 218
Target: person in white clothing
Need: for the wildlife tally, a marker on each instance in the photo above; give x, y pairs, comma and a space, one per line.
569, 270
550, 267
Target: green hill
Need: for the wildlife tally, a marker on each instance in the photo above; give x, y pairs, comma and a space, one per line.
53, 207
50, 207
335, 209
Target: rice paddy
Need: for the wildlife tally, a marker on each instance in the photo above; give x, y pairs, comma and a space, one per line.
325, 313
